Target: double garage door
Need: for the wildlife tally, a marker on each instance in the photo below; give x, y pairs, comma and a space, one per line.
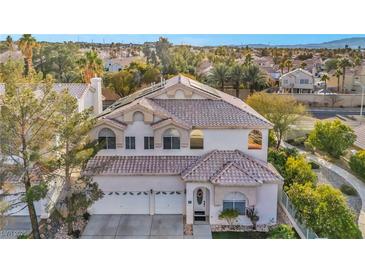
140, 202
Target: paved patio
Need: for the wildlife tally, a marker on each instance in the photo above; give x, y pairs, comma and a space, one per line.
134, 227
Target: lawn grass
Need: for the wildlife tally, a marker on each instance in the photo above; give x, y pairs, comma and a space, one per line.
240, 235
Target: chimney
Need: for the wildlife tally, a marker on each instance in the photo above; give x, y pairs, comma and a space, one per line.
97, 96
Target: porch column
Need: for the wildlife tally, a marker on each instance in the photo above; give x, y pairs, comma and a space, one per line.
189, 203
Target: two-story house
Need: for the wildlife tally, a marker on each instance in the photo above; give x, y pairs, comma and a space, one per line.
297, 81
181, 147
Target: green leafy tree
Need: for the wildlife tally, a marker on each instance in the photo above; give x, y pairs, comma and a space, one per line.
279, 157
26, 129
331, 64
219, 75
72, 148
254, 78
298, 170
332, 137
282, 231
282, 111
357, 163
324, 209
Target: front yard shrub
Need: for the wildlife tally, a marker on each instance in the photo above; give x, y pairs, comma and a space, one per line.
298, 170
324, 209
230, 215
279, 157
282, 232
314, 165
348, 190
299, 141
357, 163
332, 137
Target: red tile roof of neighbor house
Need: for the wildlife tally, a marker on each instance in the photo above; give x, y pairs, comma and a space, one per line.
226, 167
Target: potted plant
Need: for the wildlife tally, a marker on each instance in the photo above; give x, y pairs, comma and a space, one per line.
252, 214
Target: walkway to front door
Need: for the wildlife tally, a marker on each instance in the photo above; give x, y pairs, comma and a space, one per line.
134, 227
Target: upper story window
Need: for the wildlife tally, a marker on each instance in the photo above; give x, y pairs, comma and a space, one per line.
130, 142
196, 139
255, 139
149, 142
138, 116
106, 138
304, 81
286, 81
171, 139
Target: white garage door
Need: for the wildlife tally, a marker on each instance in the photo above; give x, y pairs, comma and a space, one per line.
169, 202
123, 202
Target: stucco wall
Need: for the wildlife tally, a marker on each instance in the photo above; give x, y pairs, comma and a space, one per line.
339, 100
221, 139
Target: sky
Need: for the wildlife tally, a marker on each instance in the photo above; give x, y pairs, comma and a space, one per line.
194, 39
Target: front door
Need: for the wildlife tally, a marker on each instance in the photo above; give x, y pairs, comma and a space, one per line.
200, 205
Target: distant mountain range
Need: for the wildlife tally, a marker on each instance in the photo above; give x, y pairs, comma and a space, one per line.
354, 42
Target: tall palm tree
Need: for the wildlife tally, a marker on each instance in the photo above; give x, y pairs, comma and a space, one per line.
26, 44
91, 66
325, 78
236, 74
9, 43
338, 74
289, 64
248, 60
343, 64
254, 78
282, 66
219, 75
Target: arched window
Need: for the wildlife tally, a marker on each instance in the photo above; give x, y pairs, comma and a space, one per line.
138, 116
196, 139
106, 138
235, 200
171, 139
255, 139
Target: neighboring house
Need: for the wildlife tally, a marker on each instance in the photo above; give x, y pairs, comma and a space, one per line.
352, 76
297, 81
360, 137
87, 95
109, 97
181, 147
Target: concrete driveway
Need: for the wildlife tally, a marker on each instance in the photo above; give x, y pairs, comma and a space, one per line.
134, 227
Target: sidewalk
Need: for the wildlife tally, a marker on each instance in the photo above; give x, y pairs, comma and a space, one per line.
348, 177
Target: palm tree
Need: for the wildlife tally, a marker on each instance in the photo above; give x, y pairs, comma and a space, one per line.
236, 74
248, 60
9, 43
26, 44
91, 66
289, 64
343, 64
282, 66
325, 78
303, 65
254, 78
338, 74
219, 75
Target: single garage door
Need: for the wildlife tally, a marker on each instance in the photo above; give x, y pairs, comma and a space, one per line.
123, 202
169, 202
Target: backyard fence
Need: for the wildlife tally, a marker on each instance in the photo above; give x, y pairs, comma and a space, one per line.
303, 231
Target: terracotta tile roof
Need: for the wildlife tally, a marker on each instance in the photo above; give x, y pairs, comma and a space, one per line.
233, 175
210, 165
360, 136
227, 167
207, 113
139, 165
